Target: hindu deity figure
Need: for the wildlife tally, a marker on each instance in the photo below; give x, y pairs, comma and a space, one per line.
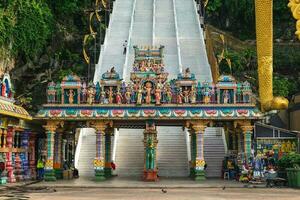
226, 97
179, 97
98, 92
193, 95
187, 73
110, 94
186, 95
148, 89
3, 90
169, 95
239, 93
143, 67
246, 92
206, 93
149, 66
150, 152
91, 95
128, 95
199, 92
51, 92
139, 96
119, 97
71, 95
213, 93
102, 96
157, 95
58, 92
84, 92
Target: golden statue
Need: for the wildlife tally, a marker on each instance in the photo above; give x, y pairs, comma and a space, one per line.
264, 40
295, 8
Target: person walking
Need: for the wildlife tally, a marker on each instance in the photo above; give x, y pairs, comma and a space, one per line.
125, 47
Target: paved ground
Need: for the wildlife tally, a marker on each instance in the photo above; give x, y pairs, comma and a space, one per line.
149, 194
135, 182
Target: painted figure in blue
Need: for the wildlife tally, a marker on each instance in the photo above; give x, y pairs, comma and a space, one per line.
98, 92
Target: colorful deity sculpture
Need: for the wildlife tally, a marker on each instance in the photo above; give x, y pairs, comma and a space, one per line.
102, 96
98, 92
84, 92
169, 94
193, 95
247, 92
157, 95
58, 92
148, 90
91, 92
179, 97
51, 92
186, 95
119, 97
239, 92
150, 152
213, 93
70, 96
226, 97
206, 92
128, 95
139, 96
110, 93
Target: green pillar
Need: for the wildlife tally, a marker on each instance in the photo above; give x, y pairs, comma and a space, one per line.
150, 143
247, 133
49, 165
107, 169
193, 153
198, 161
99, 161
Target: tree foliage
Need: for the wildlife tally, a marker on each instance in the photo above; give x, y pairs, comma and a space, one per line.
25, 26
238, 17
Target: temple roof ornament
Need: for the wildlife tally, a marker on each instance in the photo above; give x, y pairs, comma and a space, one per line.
149, 95
111, 75
186, 75
7, 106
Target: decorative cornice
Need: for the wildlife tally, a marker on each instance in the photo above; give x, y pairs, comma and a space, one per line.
99, 125
52, 126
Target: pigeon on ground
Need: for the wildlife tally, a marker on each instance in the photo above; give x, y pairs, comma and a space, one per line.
163, 191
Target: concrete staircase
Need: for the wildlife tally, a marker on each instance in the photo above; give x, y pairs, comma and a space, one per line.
215, 148
172, 158
172, 23
85, 152
130, 153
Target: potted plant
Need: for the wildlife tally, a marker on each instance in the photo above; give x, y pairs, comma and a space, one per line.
291, 164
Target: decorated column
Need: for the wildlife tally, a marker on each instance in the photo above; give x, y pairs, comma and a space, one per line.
197, 149
31, 152
9, 166
50, 132
193, 152
150, 143
246, 139
107, 169
99, 161
24, 155
58, 156
247, 133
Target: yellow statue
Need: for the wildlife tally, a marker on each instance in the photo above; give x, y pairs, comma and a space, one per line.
295, 8
264, 40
